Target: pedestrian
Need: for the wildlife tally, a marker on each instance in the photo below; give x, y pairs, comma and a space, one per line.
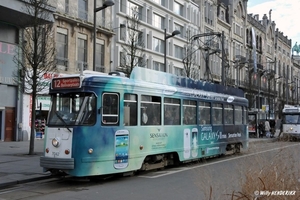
267, 128
273, 129
261, 129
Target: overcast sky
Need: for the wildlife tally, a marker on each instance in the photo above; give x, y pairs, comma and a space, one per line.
285, 13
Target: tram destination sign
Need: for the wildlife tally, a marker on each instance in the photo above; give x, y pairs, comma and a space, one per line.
66, 83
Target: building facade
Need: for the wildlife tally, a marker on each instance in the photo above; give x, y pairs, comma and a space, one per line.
13, 20
255, 56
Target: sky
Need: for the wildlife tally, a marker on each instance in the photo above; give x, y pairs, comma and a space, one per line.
285, 13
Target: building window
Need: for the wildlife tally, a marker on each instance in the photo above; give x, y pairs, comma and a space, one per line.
158, 21
135, 36
239, 12
208, 13
158, 45
178, 52
158, 66
62, 49
238, 30
178, 8
269, 48
99, 65
179, 28
237, 49
160, 2
134, 10
178, 71
82, 9
222, 15
67, 6
82, 54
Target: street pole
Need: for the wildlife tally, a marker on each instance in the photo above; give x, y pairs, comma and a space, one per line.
165, 48
223, 58
176, 32
269, 100
106, 4
207, 65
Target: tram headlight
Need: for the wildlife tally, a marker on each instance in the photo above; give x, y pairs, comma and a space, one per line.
56, 142
291, 128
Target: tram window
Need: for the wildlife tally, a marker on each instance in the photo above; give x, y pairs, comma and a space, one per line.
238, 115
130, 110
189, 112
150, 110
217, 113
110, 109
228, 114
90, 111
171, 111
204, 113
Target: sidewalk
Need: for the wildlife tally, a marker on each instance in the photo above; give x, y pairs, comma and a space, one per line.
16, 166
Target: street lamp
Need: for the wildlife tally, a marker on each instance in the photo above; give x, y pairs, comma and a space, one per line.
106, 4
176, 32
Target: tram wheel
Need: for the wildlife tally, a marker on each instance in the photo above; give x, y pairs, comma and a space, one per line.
237, 148
56, 172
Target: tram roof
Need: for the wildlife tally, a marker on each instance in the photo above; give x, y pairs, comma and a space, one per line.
162, 78
148, 75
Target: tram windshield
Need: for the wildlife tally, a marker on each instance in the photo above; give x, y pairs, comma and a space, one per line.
72, 109
292, 119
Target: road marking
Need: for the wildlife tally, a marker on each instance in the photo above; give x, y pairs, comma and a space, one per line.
167, 172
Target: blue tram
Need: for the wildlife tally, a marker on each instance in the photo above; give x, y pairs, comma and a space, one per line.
107, 123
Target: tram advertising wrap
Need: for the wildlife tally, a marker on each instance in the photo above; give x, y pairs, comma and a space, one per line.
107, 123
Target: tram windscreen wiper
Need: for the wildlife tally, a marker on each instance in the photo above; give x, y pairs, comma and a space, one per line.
60, 117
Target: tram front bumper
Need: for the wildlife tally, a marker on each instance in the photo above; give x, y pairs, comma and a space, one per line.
57, 163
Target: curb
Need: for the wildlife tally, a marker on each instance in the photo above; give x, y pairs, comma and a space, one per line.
12, 183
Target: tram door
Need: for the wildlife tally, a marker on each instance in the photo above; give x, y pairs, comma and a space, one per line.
9, 124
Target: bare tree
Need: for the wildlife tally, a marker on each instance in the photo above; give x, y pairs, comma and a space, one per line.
38, 55
133, 47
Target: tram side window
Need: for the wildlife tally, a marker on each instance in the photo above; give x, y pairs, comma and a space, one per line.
189, 112
150, 110
204, 113
238, 115
110, 109
228, 114
171, 111
130, 110
217, 113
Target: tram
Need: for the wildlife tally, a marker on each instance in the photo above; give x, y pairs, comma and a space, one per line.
291, 121
102, 124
